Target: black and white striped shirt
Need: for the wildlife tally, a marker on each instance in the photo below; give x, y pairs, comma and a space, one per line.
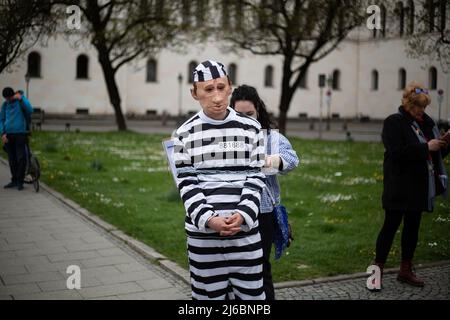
218, 164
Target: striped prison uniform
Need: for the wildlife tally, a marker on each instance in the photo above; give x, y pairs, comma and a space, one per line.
218, 164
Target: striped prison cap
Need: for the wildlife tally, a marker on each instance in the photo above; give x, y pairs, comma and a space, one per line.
208, 70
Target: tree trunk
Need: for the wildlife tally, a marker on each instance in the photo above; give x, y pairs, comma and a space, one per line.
285, 101
113, 91
287, 92
282, 121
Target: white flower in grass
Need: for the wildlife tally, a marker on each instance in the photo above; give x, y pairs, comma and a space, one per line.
157, 169
315, 178
432, 244
105, 200
118, 204
338, 174
155, 158
333, 198
358, 180
440, 219
115, 179
320, 159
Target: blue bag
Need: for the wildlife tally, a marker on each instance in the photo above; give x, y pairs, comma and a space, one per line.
283, 234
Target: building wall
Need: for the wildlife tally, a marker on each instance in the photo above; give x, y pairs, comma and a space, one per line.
387, 57
58, 90
164, 94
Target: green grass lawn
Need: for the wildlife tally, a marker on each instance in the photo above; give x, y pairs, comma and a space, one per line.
333, 199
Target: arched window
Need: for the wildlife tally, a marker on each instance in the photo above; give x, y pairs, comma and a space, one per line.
432, 78
374, 80
82, 67
400, 11
159, 7
336, 80
34, 65
268, 76
411, 13
225, 14
201, 9
435, 15
304, 81
401, 79
232, 73
383, 20
151, 70
429, 6
443, 15
191, 69
239, 15
186, 12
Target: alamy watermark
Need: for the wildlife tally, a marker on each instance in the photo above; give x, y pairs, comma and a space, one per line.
374, 280
374, 21
73, 22
74, 280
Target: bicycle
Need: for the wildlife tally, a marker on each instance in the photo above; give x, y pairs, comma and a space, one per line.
33, 169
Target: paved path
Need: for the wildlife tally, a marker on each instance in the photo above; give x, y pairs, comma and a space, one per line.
40, 237
437, 287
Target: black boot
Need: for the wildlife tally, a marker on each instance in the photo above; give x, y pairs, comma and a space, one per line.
10, 185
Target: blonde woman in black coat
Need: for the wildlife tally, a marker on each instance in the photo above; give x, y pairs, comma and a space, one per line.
414, 175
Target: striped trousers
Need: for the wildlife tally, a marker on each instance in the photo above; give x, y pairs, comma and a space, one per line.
224, 268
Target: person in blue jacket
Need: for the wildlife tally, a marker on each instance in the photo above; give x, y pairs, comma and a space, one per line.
280, 158
13, 128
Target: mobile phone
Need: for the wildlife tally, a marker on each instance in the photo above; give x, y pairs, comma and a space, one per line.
446, 136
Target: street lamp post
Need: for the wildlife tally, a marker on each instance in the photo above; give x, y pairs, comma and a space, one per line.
440, 99
322, 78
27, 80
328, 100
180, 82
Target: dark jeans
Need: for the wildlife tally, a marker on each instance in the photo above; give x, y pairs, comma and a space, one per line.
410, 234
267, 230
16, 156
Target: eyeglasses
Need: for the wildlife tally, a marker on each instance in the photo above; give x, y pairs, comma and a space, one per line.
419, 90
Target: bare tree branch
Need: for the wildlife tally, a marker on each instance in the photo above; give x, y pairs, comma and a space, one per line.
303, 30
22, 24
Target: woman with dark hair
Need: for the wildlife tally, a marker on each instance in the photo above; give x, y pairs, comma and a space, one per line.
280, 158
414, 175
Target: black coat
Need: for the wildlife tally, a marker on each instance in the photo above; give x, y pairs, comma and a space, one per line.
405, 163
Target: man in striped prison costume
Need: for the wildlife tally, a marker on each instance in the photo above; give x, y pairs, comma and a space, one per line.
218, 155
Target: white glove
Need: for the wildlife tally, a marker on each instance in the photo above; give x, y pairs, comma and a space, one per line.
272, 161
